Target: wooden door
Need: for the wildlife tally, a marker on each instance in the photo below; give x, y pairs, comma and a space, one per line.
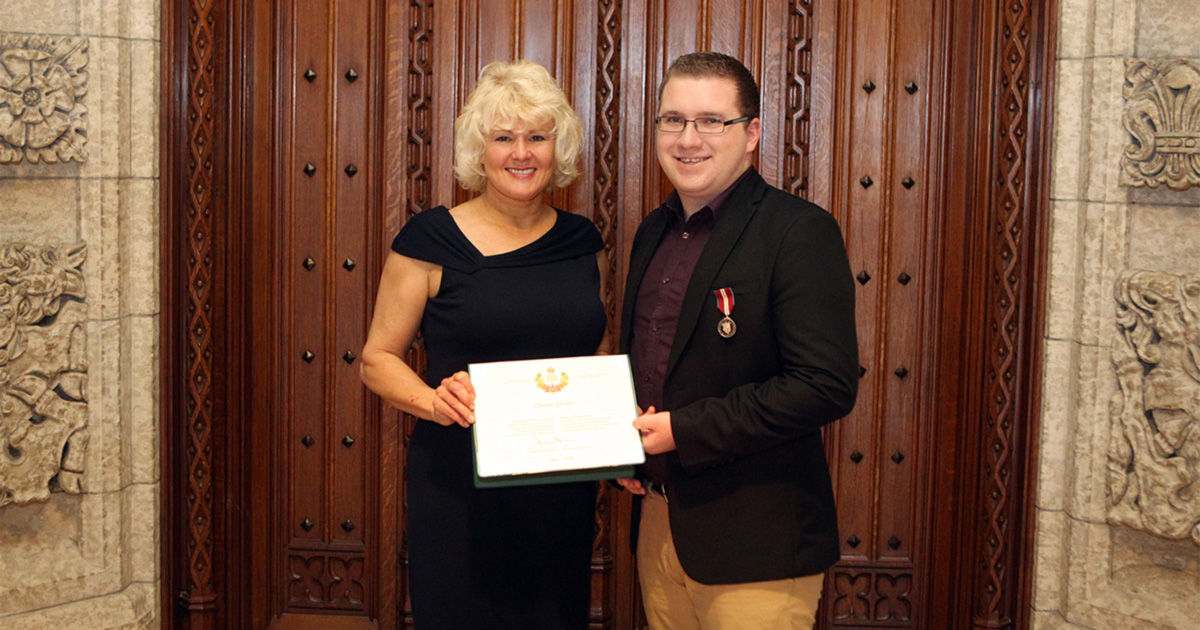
299, 135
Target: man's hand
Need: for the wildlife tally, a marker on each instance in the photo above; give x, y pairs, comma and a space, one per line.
656, 431
632, 485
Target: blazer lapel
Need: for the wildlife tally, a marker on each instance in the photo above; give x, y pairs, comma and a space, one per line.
653, 227
738, 211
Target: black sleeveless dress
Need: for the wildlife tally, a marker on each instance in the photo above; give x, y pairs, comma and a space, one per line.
504, 557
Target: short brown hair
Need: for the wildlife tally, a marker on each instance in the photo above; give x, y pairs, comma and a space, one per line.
715, 65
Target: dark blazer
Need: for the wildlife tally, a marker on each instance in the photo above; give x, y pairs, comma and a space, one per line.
749, 487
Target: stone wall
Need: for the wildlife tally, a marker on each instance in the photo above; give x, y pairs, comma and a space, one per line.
79, 463
1118, 518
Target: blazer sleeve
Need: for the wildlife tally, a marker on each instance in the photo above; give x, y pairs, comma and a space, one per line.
811, 315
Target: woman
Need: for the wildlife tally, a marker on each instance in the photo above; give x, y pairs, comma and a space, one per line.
501, 277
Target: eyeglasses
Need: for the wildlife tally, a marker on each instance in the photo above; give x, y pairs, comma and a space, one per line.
706, 124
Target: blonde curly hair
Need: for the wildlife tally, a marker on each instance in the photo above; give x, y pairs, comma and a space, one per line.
507, 92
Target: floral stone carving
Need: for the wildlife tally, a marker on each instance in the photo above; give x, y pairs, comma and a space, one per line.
43, 371
42, 84
1162, 113
1154, 451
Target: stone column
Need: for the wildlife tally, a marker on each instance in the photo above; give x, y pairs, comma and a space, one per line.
79, 463
1120, 445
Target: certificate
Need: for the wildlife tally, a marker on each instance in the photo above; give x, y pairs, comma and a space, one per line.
554, 420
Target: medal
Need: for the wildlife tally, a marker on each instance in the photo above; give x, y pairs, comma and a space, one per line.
726, 328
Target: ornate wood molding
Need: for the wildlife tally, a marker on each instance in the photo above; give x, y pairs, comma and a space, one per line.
1013, 303
200, 594
607, 158
1005, 270
420, 108
605, 214
796, 129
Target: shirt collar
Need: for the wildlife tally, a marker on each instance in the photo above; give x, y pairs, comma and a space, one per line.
715, 206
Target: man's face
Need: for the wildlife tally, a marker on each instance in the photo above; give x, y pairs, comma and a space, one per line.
701, 166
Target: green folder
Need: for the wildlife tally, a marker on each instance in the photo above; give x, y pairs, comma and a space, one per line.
559, 476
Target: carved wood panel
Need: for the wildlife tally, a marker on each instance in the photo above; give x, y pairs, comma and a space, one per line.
868, 598
944, 328
326, 582
881, 194
321, 496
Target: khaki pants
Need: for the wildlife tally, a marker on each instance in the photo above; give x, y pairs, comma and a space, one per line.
674, 601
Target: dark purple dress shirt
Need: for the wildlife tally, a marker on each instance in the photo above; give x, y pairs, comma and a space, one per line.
660, 299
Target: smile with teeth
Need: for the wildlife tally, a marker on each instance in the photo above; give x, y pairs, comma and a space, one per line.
521, 171
695, 160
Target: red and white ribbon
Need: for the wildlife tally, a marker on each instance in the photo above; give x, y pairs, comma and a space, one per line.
725, 300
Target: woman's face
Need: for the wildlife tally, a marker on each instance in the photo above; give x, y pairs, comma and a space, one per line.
519, 162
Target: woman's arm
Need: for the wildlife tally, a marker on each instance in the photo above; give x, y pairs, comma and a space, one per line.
404, 289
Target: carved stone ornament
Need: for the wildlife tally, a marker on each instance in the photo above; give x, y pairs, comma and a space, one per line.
1154, 452
42, 85
43, 371
1162, 113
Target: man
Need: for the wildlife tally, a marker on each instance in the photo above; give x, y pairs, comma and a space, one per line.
739, 319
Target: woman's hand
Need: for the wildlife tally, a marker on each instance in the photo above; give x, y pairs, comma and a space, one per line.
454, 401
